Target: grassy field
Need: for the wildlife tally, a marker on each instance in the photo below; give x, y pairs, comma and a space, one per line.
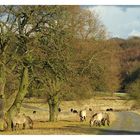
68, 122
62, 127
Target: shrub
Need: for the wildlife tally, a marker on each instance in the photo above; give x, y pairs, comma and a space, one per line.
134, 89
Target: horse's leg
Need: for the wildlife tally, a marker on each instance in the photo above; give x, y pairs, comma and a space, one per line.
31, 125
108, 122
95, 123
23, 126
13, 128
103, 122
16, 126
99, 123
85, 118
82, 118
91, 123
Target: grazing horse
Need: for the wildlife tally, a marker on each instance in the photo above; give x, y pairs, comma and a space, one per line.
96, 119
109, 109
82, 115
21, 119
105, 119
99, 119
75, 111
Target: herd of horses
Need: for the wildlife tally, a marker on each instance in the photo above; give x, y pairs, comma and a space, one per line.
97, 119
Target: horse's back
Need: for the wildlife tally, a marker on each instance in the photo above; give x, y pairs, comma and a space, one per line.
19, 119
83, 113
99, 116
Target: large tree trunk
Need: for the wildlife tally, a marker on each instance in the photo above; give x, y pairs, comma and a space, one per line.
15, 108
53, 108
2, 95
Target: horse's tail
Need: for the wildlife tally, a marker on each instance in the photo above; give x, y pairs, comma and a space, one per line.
85, 118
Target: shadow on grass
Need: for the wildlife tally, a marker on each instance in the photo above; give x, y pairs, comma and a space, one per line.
76, 130
118, 132
87, 130
102, 131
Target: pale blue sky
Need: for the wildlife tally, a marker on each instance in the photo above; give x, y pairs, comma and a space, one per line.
121, 21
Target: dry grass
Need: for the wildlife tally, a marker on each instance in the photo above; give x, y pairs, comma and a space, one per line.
69, 126
68, 123
63, 127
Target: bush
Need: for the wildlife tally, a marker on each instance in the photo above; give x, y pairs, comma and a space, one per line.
134, 89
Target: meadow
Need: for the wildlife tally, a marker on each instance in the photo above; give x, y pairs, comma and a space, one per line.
68, 122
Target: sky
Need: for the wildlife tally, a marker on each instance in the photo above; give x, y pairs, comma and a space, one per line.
120, 21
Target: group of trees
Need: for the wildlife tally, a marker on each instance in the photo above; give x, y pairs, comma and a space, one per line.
37, 47
130, 65
60, 52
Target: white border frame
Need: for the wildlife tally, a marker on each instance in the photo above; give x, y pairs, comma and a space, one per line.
70, 2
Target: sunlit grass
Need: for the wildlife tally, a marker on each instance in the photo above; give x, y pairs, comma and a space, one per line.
68, 126
60, 127
68, 122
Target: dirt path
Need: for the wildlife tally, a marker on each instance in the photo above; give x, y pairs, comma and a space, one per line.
126, 123
34, 108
